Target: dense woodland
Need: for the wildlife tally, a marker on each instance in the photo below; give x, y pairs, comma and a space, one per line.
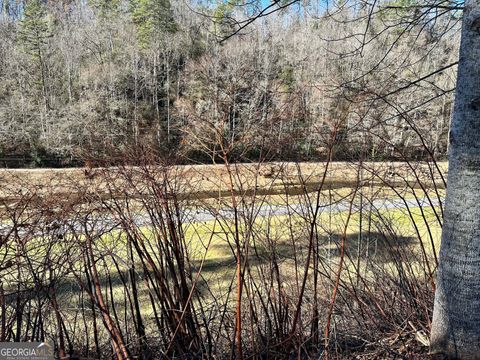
99, 79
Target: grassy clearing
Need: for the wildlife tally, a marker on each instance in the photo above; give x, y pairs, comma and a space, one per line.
219, 255
219, 267
378, 245
283, 227
211, 181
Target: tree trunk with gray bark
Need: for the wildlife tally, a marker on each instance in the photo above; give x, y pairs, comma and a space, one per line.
456, 316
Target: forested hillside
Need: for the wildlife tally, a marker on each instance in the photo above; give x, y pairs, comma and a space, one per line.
101, 79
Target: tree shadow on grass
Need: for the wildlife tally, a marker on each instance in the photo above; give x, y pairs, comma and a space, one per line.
384, 248
379, 246
375, 246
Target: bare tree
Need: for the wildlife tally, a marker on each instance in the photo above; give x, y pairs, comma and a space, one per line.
455, 327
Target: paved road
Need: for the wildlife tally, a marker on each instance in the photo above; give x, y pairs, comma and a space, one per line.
278, 210
107, 222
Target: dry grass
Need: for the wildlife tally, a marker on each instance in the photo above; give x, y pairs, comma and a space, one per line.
211, 181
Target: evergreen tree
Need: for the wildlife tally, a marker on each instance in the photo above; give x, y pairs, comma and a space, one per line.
152, 17
33, 35
34, 29
107, 8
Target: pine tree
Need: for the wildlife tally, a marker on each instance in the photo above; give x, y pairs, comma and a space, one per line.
107, 9
33, 36
152, 18
223, 18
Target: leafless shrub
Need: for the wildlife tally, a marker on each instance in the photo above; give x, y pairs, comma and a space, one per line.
127, 270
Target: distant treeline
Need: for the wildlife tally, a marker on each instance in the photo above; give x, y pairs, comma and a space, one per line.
96, 80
